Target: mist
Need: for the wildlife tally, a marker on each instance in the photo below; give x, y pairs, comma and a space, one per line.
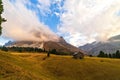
23, 24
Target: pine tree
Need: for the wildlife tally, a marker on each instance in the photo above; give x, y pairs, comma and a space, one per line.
101, 54
113, 55
110, 56
106, 55
117, 54
1, 19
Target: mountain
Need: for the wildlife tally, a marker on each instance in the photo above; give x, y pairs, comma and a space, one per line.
60, 46
105, 47
87, 47
110, 46
115, 38
24, 44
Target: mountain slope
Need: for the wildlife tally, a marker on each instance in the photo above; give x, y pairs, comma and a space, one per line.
10, 70
60, 46
88, 47
105, 47
110, 46
28, 66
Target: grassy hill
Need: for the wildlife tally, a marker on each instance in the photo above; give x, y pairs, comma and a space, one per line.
25, 66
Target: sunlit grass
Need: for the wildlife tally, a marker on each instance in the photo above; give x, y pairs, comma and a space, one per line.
36, 66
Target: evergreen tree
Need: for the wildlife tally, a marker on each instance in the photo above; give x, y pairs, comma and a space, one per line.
113, 55
53, 51
106, 55
110, 56
4, 48
117, 54
101, 54
1, 19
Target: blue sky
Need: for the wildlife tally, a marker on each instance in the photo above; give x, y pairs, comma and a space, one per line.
78, 21
50, 18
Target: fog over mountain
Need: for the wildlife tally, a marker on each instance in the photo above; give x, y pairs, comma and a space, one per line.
61, 45
23, 24
110, 46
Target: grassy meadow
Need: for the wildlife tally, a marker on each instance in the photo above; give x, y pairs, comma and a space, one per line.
35, 66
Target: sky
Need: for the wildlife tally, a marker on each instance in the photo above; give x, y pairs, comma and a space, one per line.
78, 21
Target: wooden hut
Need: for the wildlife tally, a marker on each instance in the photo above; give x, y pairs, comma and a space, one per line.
78, 55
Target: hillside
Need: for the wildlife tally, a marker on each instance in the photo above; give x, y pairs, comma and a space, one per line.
60, 46
25, 66
109, 46
105, 47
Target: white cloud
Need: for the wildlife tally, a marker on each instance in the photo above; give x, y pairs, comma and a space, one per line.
23, 24
83, 20
90, 20
44, 2
44, 6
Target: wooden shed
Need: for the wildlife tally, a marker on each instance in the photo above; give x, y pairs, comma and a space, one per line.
78, 55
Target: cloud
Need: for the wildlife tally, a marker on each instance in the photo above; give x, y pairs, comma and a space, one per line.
44, 6
23, 24
81, 21
88, 20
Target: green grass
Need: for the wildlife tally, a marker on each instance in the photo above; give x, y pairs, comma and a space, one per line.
28, 66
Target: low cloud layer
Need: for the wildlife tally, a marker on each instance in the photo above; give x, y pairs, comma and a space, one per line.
23, 24
88, 20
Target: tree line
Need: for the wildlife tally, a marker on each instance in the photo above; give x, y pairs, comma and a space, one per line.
32, 49
105, 55
21, 49
54, 51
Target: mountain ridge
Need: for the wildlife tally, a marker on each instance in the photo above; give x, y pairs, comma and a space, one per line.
60, 46
110, 46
